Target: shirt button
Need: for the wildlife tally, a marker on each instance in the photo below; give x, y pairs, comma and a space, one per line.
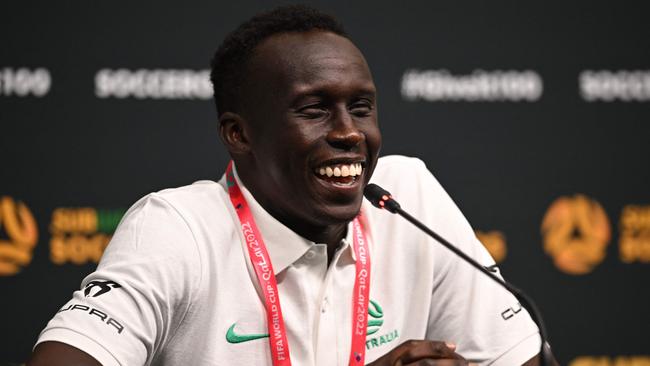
323, 308
310, 254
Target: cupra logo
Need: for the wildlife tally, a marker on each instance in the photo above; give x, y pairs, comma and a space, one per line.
22, 233
104, 287
575, 233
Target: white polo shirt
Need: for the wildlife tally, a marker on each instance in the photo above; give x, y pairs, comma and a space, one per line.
176, 287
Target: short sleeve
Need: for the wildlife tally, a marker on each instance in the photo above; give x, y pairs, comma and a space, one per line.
486, 322
127, 309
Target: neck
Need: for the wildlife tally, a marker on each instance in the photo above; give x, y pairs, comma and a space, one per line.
330, 234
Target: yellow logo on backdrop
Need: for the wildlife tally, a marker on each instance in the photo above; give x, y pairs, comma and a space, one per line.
22, 233
80, 235
634, 227
495, 243
611, 361
575, 233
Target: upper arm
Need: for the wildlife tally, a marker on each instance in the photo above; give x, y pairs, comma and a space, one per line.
60, 354
127, 309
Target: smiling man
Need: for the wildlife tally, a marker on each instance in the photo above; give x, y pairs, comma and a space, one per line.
306, 144
281, 261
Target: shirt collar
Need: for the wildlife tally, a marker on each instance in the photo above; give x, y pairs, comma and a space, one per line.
283, 244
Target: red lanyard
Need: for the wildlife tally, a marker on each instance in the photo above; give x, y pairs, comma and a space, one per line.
261, 261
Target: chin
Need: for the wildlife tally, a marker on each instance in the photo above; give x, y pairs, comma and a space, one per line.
338, 214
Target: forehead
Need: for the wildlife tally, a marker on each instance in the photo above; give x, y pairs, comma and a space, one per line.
300, 62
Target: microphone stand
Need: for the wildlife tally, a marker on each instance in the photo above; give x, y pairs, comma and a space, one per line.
382, 199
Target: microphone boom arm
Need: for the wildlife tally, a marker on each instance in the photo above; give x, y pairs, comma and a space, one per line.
382, 199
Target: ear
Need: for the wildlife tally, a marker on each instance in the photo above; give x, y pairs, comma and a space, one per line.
233, 133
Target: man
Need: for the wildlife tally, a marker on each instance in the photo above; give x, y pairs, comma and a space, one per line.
274, 263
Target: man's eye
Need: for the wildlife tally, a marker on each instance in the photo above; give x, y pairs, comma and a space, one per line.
314, 111
361, 109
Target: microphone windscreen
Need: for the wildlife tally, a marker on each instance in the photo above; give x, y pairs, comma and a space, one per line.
375, 194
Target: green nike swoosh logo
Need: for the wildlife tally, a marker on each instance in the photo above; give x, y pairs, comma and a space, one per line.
233, 337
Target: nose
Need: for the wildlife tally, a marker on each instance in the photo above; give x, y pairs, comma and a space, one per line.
344, 133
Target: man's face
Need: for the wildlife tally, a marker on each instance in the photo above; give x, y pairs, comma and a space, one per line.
310, 104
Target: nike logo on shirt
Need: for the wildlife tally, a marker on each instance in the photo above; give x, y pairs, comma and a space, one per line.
233, 337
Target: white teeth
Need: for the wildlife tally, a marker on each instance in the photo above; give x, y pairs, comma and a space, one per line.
341, 170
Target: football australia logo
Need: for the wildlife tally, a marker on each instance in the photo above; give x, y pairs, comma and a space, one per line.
375, 321
575, 233
21, 235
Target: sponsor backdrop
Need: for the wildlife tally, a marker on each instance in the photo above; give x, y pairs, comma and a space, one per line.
536, 119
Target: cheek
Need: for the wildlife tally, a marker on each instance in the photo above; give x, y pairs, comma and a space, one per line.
373, 141
301, 141
373, 138
285, 156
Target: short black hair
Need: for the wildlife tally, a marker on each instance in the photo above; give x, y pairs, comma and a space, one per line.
230, 60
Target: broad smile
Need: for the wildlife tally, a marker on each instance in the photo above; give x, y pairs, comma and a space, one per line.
340, 175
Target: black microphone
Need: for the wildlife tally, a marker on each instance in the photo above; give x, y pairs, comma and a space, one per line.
381, 198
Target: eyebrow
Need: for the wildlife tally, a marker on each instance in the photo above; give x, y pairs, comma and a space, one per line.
367, 90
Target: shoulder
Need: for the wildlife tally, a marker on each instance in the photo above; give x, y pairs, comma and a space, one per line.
406, 177
170, 221
412, 184
193, 204
388, 163
201, 197
399, 168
